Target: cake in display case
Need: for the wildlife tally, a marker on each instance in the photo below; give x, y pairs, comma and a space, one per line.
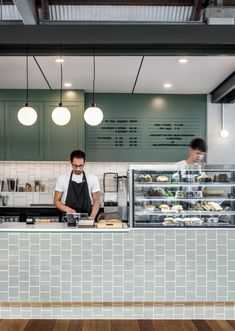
182, 196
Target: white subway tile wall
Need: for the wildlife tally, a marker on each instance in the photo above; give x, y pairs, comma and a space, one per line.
144, 265
47, 173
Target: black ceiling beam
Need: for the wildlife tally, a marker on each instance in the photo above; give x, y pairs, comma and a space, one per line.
224, 92
111, 2
118, 39
230, 97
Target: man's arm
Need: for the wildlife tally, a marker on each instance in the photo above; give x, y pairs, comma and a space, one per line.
96, 204
60, 205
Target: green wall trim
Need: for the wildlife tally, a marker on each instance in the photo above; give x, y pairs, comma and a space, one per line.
41, 95
44, 140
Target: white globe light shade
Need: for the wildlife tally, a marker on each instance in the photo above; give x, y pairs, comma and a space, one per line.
93, 116
61, 115
224, 133
27, 116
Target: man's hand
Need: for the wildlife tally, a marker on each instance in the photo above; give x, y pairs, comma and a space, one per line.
69, 210
60, 205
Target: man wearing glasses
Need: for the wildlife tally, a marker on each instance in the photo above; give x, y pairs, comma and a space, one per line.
77, 192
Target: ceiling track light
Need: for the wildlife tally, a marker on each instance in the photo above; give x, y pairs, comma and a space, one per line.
223, 132
27, 115
93, 115
167, 85
59, 60
61, 115
183, 60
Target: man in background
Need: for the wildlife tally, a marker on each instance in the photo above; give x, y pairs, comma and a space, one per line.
197, 150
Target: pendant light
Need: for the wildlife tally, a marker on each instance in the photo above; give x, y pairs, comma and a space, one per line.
61, 115
93, 115
27, 115
223, 132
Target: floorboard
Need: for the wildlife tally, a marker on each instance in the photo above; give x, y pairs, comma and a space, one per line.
115, 325
39, 325
75, 325
232, 323
6, 324
173, 325
61, 325
120, 325
187, 325
225, 325
160, 325
201, 325
18, 325
214, 325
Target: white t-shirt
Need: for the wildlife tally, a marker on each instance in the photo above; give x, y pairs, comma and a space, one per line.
181, 163
62, 184
184, 163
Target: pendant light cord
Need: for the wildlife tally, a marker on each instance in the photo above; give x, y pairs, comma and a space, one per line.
61, 80
93, 88
27, 78
222, 116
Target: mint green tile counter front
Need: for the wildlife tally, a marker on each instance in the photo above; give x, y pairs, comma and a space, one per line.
188, 267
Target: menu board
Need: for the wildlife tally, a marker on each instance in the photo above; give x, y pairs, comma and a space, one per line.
116, 133
169, 133
136, 131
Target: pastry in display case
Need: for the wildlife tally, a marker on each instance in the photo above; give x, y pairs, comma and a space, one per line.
194, 195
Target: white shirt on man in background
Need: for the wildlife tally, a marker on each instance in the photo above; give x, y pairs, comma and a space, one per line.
181, 163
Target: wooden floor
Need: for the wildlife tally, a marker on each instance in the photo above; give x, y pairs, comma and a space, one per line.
115, 325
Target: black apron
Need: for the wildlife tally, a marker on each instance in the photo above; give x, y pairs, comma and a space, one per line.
78, 196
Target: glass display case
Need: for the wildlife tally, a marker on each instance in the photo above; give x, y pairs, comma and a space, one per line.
169, 195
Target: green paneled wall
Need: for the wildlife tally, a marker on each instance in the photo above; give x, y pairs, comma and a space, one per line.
139, 127
22, 142
60, 141
44, 140
145, 127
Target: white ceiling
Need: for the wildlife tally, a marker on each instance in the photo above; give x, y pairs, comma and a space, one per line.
117, 73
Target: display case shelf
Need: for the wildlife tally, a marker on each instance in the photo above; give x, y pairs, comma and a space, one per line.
185, 213
152, 202
184, 184
204, 225
172, 200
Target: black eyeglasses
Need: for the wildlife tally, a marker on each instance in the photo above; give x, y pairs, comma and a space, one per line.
76, 166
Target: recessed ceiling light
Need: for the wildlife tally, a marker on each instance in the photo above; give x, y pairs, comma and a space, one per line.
59, 60
167, 85
183, 60
67, 84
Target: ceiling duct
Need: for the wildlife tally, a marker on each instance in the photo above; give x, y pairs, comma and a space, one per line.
224, 92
